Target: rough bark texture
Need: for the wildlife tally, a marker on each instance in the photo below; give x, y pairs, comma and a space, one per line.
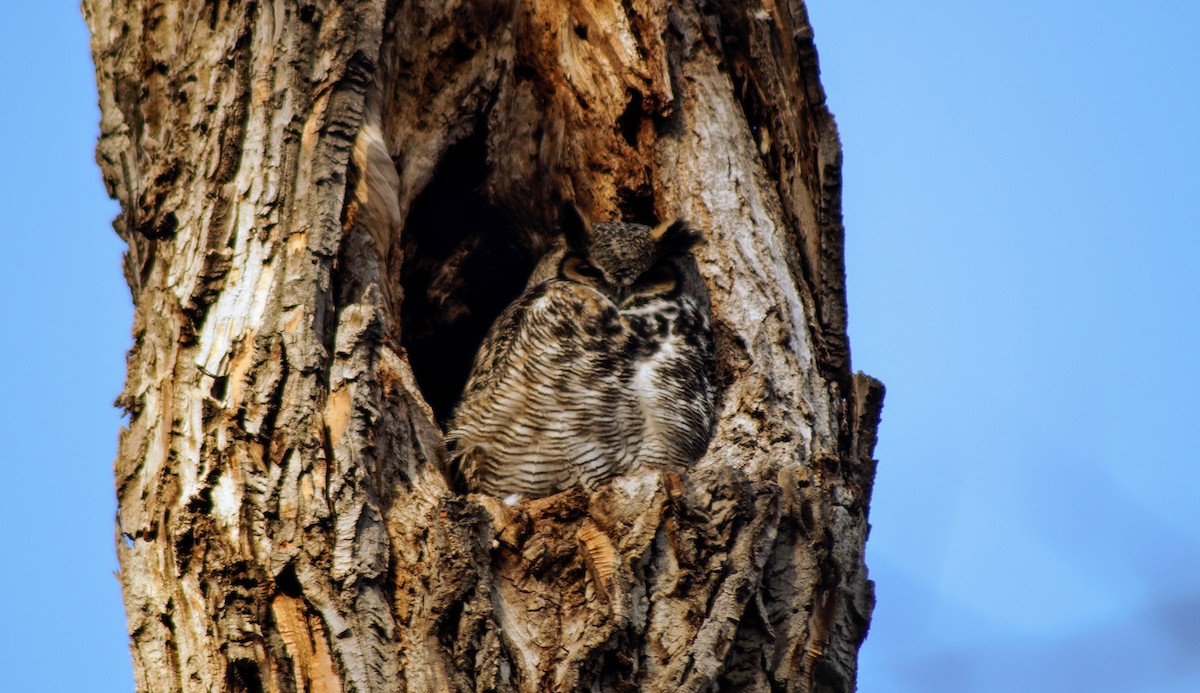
326, 203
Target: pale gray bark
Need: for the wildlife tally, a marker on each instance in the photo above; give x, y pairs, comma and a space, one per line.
325, 205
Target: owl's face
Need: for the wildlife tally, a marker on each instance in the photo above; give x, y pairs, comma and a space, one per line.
624, 260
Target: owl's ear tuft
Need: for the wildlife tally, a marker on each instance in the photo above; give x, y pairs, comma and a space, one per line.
675, 238
575, 227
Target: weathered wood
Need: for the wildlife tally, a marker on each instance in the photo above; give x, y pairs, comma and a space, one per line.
326, 203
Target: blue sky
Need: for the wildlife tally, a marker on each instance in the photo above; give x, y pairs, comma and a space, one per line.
66, 317
1021, 209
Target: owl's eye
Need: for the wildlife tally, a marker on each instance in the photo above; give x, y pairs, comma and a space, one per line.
579, 269
659, 280
661, 272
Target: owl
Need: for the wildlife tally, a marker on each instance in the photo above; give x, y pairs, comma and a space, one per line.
603, 365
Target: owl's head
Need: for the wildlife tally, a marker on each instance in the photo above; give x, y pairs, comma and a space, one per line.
619, 256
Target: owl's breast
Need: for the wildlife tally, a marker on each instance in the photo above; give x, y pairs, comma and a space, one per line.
671, 378
569, 389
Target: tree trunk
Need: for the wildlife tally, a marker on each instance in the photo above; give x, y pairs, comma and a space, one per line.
326, 204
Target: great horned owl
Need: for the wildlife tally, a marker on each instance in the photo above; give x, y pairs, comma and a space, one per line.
603, 364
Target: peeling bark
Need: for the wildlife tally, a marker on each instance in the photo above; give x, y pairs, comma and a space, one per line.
327, 203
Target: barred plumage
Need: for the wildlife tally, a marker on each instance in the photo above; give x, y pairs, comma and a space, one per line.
605, 363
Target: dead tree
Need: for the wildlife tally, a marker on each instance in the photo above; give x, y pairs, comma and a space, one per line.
325, 205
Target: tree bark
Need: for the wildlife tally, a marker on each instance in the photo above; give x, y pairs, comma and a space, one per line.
326, 203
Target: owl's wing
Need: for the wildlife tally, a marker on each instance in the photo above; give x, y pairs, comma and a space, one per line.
545, 406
